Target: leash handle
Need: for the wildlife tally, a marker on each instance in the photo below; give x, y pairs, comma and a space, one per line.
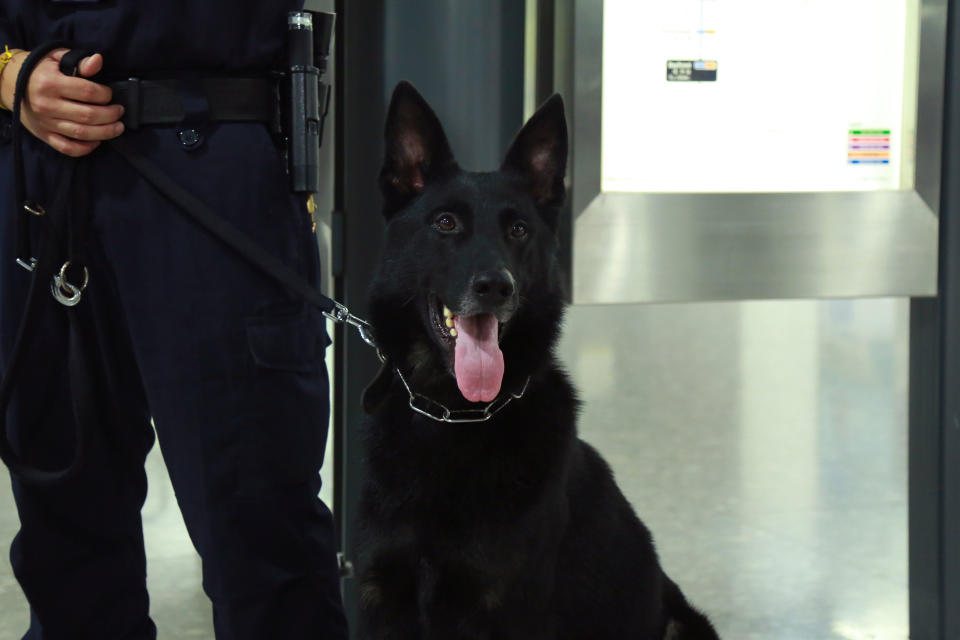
41, 270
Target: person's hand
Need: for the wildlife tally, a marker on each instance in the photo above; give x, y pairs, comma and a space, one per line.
71, 114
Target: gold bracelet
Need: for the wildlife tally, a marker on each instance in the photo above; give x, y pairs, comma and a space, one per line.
6, 57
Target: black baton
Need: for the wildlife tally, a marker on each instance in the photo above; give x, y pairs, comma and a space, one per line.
308, 48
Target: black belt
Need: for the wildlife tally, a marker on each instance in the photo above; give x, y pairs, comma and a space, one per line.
147, 102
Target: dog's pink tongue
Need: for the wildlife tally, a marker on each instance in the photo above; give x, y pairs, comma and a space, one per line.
478, 361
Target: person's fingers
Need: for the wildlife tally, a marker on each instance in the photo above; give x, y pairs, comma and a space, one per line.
78, 131
78, 112
47, 109
91, 65
66, 146
71, 114
83, 90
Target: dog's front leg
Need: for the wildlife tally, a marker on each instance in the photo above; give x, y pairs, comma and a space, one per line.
388, 602
476, 624
469, 603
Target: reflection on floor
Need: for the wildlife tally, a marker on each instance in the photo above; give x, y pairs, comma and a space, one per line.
763, 443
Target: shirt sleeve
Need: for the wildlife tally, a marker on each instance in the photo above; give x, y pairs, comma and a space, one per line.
11, 26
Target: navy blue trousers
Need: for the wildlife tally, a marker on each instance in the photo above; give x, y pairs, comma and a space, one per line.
228, 366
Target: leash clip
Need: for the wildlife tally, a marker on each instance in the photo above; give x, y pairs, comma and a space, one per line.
29, 266
63, 291
341, 314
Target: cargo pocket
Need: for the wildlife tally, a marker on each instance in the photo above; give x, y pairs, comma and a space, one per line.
287, 399
291, 341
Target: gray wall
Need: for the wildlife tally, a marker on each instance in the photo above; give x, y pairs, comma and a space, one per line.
466, 58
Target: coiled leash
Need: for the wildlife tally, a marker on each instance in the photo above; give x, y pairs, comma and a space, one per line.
63, 228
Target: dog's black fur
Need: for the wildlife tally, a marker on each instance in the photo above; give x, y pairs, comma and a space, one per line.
511, 528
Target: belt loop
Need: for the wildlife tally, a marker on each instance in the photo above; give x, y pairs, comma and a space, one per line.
131, 116
196, 112
275, 122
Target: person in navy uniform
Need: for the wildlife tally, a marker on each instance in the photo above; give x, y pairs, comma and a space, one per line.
228, 366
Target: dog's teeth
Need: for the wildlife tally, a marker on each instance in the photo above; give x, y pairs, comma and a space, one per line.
453, 333
447, 313
449, 322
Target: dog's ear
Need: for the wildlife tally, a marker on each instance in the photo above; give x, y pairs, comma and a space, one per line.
416, 147
539, 153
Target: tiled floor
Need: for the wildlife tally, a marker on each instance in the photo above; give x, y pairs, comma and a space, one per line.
764, 444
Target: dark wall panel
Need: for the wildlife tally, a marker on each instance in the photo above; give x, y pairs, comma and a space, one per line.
466, 58
935, 396
360, 102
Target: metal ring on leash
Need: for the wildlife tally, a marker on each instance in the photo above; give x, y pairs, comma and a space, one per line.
35, 209
63, 291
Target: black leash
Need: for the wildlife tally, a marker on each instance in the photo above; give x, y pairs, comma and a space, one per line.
221, 229
238, 241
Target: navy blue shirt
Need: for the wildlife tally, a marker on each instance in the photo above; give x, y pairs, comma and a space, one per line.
156, 35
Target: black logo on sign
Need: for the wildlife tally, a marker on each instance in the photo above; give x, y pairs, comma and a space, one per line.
691, 70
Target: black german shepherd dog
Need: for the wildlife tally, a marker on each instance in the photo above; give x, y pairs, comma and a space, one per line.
512, 527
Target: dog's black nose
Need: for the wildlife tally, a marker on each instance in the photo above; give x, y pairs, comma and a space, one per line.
493, 287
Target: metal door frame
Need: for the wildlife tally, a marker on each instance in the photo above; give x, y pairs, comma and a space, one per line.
360, 101
934, 414
797, 245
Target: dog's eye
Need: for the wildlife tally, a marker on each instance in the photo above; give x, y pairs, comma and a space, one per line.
445, 222
518, 230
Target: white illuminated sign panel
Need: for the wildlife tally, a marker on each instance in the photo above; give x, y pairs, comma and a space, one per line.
758, 95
